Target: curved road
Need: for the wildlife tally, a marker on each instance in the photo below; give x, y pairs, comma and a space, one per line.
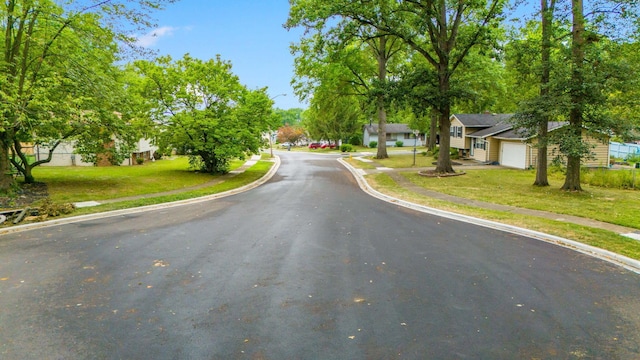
306, 266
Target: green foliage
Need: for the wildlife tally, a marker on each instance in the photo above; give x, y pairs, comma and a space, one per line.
290, 117
399, 143
346, 148
205, 112
373, 144
332, 116
633, 158
58, 77
613, 179
356, 139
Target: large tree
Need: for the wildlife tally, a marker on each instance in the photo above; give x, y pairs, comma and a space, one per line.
57, 78
443, 32
583, 93
363, 50
333, 117
205, 111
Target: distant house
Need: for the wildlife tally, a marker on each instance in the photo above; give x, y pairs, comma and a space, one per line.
64, 154
490, 138
395, 132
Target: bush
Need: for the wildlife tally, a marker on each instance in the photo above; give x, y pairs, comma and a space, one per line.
140, 161
399, 143
346, 148
355, 140
373, 144
633, 158
454, 153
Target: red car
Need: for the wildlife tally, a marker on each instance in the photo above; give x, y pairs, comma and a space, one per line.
330, 146
315, 146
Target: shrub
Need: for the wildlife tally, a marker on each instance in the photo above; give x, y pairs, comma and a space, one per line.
399, 143
633, 158
373, 144
140, 161
355, 140
346, 148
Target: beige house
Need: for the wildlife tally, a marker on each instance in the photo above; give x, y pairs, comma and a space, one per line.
490, 138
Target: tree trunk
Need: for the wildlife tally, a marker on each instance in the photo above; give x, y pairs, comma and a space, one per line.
444, 157
382, 130
6, 179
433, 126
382, 113
547, 23
572, 178
541, 164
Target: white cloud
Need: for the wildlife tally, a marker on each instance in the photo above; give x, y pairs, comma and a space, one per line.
152, 37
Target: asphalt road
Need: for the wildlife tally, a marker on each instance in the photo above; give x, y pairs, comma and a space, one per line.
306, 266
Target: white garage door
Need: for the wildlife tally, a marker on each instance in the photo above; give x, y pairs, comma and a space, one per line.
513, 155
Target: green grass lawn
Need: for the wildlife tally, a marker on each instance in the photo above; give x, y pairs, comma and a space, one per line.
514, 187
78, 183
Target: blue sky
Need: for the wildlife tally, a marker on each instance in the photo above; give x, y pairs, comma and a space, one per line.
248, 33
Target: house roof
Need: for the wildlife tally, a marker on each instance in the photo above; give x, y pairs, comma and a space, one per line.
514, 134
481, 120
391, 128
495, 129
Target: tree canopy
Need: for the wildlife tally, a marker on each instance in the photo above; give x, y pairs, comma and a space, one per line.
204, 111
58, 79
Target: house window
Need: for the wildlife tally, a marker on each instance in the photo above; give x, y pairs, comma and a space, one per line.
459, 131
480, 144
391, 137
408, 136
455, 131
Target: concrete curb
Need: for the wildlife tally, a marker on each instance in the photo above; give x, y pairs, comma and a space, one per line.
113, 213
620, 260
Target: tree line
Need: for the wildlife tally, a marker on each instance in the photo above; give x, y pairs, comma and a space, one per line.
418, 61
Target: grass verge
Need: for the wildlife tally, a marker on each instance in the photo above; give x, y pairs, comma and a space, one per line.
250, 175
76, 184
603, 239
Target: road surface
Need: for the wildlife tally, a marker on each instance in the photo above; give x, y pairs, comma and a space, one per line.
306, 266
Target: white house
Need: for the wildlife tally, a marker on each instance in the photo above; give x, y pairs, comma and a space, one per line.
395, 132
64, 154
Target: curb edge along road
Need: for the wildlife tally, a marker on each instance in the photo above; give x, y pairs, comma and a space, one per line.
121, 212
620, 260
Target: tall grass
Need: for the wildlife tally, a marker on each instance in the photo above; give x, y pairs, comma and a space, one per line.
612, 179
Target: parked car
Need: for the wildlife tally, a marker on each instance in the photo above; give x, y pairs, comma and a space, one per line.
315, 145
330, 146
286, 145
